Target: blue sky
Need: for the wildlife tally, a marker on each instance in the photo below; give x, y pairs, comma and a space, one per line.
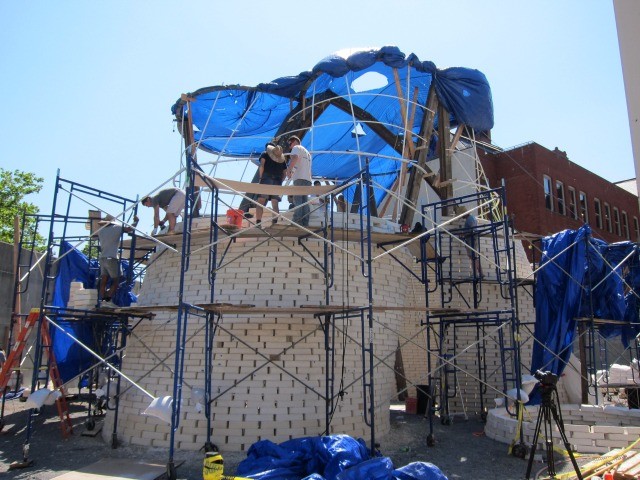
87, 86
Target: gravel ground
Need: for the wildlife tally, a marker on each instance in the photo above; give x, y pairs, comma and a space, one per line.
461, 450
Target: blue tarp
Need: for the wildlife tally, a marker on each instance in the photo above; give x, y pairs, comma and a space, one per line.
332, 457
580, 276
71, 358
237, 121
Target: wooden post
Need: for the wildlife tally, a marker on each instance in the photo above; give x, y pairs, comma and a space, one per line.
445, 191
407, 144
15, 315
189, 144
582, 345
416, 176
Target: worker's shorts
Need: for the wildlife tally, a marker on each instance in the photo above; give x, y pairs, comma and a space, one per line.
268, 180
176, 204
110, 267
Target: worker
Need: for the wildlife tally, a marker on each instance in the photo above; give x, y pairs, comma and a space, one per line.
109, 237
171, 200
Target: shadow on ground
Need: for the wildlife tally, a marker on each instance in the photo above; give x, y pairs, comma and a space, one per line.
461, 450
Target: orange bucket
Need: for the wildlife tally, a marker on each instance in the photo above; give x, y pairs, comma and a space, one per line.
234, 217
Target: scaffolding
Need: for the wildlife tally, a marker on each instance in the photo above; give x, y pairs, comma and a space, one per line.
449, 281
107, 331
327, 315
596, 351
436, 252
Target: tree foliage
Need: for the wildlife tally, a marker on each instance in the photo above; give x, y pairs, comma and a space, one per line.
14, 187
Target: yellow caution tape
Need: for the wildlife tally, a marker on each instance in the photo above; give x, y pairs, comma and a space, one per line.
518, 427
604, 461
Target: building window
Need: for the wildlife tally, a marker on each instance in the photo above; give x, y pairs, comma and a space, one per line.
573, 211
607, 217
548, 195
598, 210
584, 212
560, 198
636, 229
616, 221
625, 225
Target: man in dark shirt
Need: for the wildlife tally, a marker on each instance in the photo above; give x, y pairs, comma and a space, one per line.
270, 172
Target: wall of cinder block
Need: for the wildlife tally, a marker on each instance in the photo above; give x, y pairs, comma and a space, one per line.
589, 428
268, 369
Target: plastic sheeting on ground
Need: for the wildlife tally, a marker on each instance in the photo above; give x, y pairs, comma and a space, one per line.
580, 276
332, 457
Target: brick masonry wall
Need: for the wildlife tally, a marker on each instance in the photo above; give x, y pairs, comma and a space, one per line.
589, 428
268, 369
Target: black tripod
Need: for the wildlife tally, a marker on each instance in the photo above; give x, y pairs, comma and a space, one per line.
548, 410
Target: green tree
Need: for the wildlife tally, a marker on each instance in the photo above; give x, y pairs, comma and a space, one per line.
14, 187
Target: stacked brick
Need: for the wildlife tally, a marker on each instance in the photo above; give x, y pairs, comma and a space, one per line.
589, 428
268, 369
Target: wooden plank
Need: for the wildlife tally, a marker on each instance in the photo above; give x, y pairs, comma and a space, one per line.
626, 469
247, 309
589, 468
116, 469
234, 186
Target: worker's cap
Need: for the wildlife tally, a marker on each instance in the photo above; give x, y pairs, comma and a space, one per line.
293, 137
109, 219
275, 153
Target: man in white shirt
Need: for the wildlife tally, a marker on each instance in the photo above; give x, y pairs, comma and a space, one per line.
299, 171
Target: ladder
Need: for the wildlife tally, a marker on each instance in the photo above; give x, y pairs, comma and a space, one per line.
15, 355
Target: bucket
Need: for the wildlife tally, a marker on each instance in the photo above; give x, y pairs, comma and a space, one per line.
234, 217
411, 405
423, 399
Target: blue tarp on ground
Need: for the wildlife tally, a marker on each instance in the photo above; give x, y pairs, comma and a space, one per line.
332, 457
580, 276
351, 113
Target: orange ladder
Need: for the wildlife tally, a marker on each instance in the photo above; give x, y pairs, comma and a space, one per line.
15, 355
61, 402
13, 359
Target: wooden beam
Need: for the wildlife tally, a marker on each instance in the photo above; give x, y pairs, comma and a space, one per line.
456, 136
416, 176
408, 145
189, 143
444, 140
403, 112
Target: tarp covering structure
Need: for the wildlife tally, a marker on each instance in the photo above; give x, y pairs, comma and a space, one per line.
346, 109
71, 358
332, 457
580, 276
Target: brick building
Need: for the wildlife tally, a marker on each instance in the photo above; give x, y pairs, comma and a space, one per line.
547, 193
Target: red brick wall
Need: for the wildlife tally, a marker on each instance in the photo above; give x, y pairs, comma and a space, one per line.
523, 168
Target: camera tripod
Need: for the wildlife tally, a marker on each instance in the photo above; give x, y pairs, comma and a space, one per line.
548, 410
